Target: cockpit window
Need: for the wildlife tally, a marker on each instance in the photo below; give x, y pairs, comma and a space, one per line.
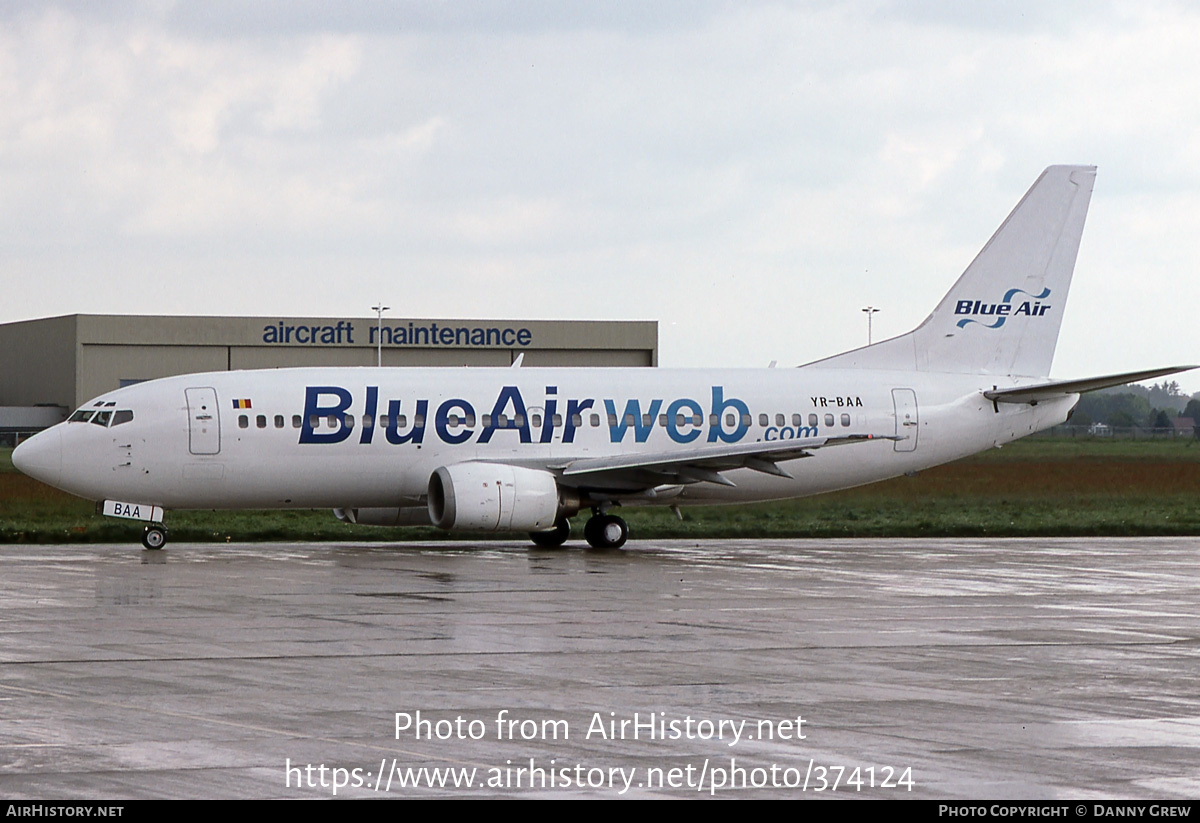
105, 417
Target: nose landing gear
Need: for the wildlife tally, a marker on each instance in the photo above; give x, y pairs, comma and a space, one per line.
154, 537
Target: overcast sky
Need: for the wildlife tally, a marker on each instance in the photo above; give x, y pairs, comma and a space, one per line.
749, 174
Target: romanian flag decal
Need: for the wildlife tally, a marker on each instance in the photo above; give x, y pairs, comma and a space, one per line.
241, 404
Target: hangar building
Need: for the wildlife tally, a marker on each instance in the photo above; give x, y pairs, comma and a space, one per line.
64, 361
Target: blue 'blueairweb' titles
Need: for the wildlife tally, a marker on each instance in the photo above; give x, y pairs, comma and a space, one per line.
456, 420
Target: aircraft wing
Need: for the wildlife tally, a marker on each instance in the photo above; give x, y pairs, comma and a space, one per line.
702, 464
1059, 388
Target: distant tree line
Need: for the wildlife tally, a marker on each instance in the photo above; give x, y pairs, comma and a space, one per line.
1147, 407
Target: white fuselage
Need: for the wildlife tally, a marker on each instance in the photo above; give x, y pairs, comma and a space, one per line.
380, 433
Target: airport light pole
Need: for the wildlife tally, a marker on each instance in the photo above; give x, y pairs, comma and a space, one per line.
870, 310
379, 310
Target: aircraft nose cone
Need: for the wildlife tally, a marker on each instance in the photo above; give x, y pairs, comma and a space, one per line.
40, 456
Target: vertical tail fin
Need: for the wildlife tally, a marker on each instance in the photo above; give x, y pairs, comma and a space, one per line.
1004, 313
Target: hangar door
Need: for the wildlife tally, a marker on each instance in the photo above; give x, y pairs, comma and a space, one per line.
907, 422
204, 421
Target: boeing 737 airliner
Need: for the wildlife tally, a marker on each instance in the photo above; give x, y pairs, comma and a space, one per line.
525, 449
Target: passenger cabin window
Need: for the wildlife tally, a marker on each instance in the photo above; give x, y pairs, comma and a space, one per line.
243, 421
845, 420
279, 421
829, 420
296, 421
762, 420
812, 420
261, 421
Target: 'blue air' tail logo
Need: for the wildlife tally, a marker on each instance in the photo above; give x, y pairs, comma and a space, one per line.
1002, 311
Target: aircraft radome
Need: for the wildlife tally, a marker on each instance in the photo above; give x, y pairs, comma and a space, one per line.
525, 449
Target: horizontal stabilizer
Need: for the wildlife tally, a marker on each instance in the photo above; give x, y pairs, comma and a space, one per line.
1061, 388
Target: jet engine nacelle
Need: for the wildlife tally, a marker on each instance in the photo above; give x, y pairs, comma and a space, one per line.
408, 516
493, 497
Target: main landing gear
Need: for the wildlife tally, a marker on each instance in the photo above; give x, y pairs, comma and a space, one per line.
606, 531
553, 538
602, 531
154, 537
